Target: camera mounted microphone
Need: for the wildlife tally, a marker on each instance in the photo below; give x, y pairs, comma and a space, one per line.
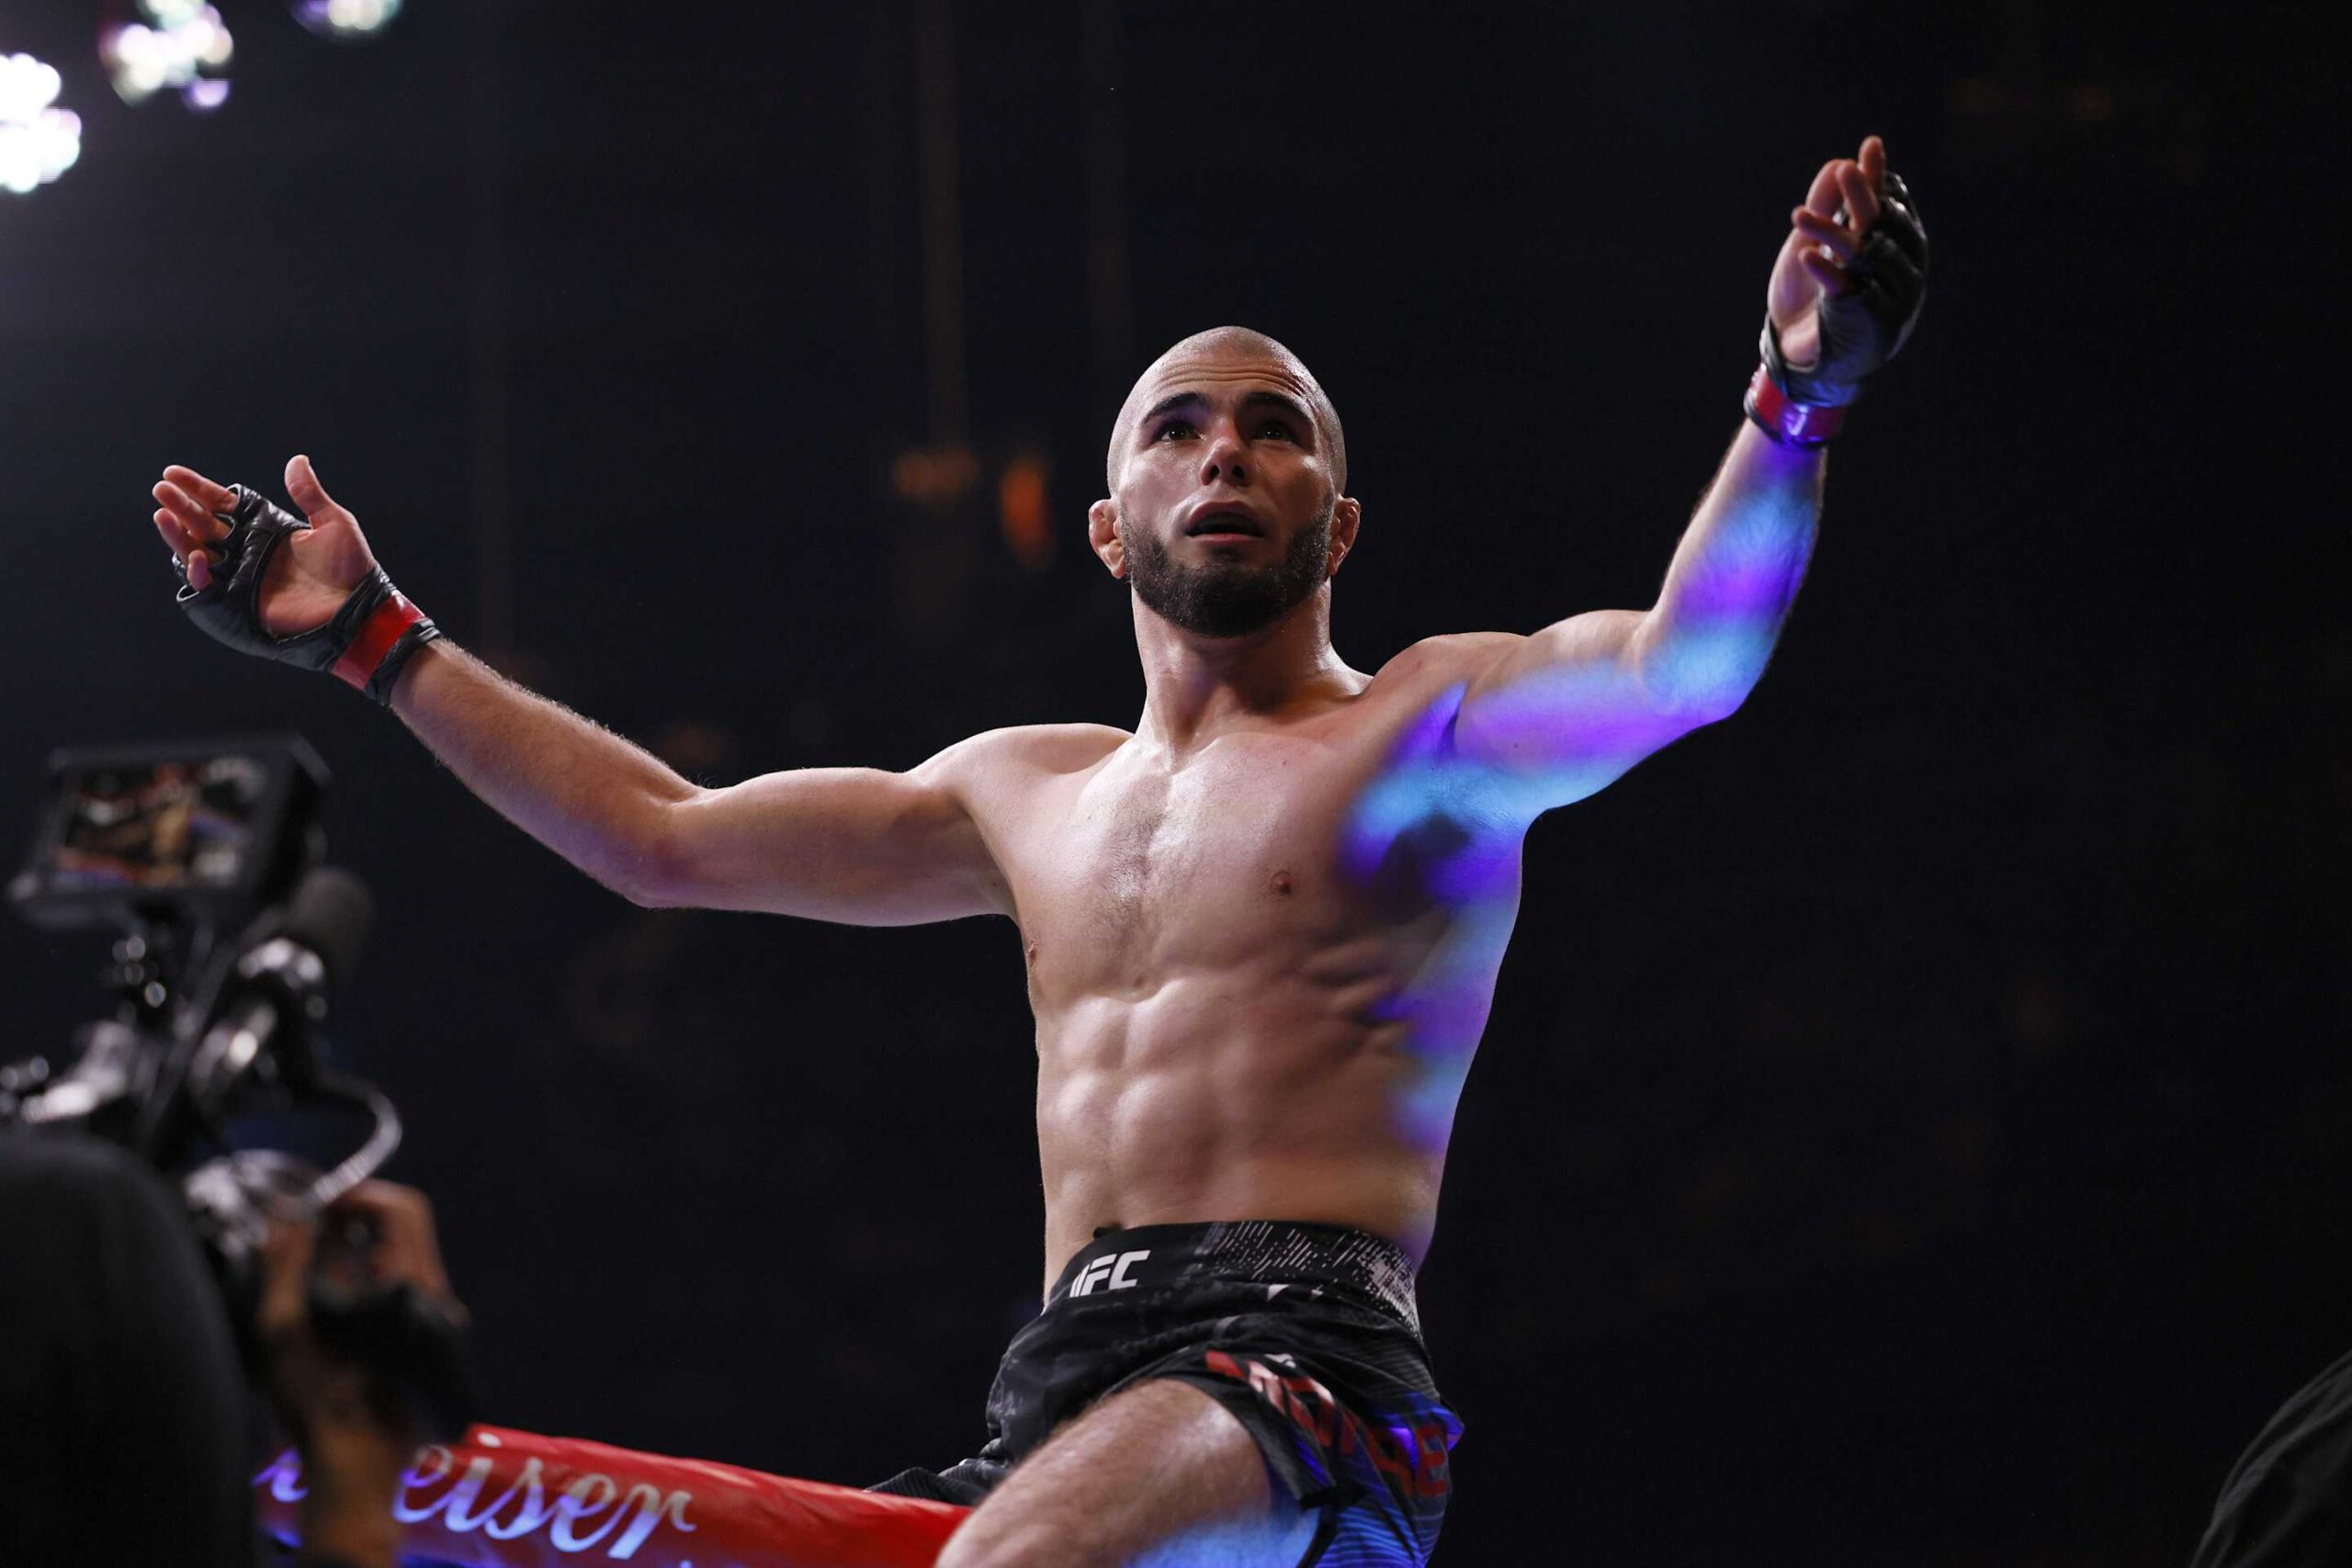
257, 1030
171, 846
258, 1041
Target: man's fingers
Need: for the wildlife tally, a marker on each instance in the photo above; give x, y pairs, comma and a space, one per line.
1823, 271
1815, 229
1874, 162
1824, 197
199, 523
198, 563
1861, 193
302, 487
405, 1248
209, 496
172, 537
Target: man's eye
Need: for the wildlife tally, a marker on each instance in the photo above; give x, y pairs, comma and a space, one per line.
1173, 427
1276, 429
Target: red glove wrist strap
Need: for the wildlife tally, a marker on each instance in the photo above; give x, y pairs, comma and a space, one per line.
1790, 424
376, 636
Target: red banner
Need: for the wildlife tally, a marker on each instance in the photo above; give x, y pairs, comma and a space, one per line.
504, 1499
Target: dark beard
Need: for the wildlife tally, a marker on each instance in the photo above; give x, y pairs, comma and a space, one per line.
1225, 598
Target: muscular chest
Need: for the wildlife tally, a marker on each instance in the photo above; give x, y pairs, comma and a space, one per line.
1148, 867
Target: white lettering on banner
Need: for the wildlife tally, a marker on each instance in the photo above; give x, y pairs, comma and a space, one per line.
526, 1518
576, 1505
443, 1462
1107, 1272
521, 1510
650, 1505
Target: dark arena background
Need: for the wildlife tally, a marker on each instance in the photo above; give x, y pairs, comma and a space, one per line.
1916, 1125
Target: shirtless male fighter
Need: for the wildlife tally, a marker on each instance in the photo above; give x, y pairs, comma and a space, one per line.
1262, 928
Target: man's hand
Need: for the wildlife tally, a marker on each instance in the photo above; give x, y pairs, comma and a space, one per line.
1842, 275
354, 1434
311, 573
1573, 707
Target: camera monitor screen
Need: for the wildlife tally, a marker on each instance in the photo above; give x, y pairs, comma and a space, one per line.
165, 827
197, 827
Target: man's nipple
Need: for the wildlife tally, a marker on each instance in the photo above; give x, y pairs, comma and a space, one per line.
1282, 882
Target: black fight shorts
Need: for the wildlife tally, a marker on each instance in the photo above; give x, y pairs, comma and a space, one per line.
1307, 1333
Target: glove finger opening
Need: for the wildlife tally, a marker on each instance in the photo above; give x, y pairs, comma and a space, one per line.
1900, 231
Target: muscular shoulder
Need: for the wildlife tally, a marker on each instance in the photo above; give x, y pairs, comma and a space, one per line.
1000, 759
1442, 660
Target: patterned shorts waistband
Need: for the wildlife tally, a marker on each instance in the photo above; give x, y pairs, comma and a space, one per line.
1257, 1251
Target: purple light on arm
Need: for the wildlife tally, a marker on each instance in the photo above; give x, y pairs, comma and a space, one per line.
1426, 783
1574, 726
1733, 577
1756, 588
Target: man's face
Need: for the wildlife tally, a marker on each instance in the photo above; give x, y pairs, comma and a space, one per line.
1225, 497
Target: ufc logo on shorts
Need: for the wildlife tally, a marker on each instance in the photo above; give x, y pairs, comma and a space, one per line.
1107, 1273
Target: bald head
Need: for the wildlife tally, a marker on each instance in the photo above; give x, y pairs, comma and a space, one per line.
1228, 346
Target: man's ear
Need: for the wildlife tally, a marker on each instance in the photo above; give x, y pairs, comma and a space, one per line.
1347, 516
1103, 535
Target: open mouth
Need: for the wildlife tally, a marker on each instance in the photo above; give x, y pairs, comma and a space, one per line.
1226, 525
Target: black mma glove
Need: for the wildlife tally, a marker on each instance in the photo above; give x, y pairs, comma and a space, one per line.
1861, 330
364, 643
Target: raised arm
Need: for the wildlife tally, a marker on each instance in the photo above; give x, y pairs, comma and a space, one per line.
855, 845
849, 844
1578, 703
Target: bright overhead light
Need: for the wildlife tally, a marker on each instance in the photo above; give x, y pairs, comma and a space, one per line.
346, 19
182, 47
39, 141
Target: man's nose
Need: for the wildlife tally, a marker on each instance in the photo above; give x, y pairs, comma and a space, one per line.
1225, 459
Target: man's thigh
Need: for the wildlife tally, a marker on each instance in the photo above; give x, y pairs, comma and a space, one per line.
1157, 1476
